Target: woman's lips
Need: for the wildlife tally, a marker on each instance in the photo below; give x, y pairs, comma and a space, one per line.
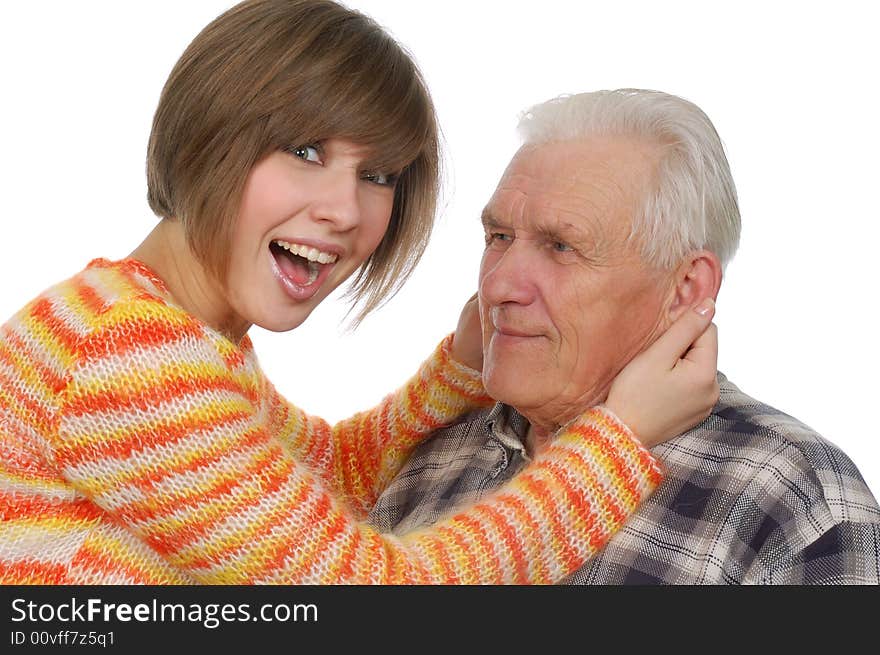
302, 265
326, 247
297, 291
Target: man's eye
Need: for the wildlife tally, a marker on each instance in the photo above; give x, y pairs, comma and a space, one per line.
559, 246
306, 152
382, 179
497, 236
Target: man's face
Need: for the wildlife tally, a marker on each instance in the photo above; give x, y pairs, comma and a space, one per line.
565, 299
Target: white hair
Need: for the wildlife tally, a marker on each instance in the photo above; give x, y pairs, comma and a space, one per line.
694, 204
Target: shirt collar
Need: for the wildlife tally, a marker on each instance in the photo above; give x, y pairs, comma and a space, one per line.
509, 427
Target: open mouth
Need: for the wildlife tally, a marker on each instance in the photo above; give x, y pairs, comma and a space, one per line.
300, 264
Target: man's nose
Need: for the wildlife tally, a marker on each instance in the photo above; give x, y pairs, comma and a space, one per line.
336, 200
508, 276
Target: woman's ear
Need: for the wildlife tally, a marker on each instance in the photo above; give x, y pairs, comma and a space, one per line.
698, 277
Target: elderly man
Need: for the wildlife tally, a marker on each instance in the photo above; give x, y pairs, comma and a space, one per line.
616, 215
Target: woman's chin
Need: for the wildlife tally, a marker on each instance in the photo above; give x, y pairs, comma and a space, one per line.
284, 312
285, 323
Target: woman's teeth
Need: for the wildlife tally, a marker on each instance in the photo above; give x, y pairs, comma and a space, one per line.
306, 252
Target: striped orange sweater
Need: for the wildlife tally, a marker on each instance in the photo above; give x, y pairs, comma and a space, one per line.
137, 445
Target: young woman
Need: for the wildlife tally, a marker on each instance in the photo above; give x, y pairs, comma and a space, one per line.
294, 147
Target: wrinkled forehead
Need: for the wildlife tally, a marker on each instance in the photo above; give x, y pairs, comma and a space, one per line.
596, 181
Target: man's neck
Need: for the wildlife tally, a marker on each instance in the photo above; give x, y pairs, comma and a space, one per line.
537, 440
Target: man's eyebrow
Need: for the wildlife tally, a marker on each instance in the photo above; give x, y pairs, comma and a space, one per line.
564, 231
555, 230
488, 220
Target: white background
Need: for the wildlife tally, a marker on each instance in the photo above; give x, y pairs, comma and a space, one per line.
790, 86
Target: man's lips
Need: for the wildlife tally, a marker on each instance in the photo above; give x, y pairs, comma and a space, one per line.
503, 325
510, 331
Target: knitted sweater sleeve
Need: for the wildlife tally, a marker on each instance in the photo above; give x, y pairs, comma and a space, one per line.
162, 438
358, 457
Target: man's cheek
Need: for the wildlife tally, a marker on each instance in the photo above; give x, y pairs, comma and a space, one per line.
486, 328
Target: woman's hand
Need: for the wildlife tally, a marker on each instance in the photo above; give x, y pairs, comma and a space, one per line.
467, 344
671, 386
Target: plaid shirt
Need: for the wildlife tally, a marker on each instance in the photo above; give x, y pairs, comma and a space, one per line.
751, 496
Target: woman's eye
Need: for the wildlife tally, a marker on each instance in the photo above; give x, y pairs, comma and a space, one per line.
382, 179
307, 153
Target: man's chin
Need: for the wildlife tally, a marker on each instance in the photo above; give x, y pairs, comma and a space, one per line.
509, 385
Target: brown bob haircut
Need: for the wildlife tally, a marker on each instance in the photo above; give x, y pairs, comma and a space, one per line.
270, 74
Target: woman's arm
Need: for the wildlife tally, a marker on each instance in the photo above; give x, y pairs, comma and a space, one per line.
357, 458
251, 514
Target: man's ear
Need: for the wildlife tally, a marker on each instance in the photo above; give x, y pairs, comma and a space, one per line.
698, 278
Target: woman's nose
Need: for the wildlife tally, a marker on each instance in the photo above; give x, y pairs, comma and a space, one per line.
337, 200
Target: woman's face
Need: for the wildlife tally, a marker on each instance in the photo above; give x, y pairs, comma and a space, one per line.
310, 216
